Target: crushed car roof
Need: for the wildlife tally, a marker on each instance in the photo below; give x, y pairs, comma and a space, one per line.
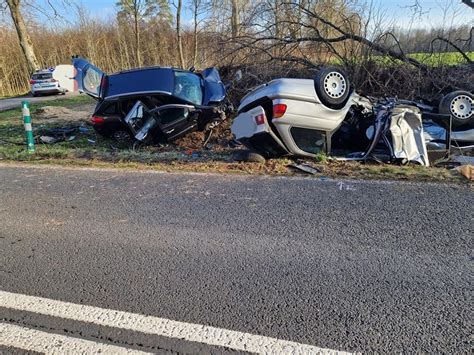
140, 81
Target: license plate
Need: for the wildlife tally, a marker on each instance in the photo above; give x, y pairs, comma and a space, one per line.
47, 85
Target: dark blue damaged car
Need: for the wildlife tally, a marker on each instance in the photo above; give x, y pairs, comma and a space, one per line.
152, 104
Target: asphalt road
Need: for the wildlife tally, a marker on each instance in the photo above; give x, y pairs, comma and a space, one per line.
15, 102
354, 266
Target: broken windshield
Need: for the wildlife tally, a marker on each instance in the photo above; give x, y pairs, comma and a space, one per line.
188, 86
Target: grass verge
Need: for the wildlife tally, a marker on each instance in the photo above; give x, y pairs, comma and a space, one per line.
89, 150
150, 158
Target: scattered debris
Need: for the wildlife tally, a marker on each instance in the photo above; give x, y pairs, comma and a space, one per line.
48, 139
467, 171
462, 159
60, 134
305, 168
56, 139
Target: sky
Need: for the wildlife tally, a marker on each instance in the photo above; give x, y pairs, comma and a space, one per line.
398, 12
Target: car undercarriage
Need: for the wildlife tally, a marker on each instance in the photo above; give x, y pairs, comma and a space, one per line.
304, 117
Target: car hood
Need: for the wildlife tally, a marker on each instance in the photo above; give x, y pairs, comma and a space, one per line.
214, 90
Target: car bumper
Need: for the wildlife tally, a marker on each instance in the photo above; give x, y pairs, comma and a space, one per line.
252, 129
47, 89
275, 139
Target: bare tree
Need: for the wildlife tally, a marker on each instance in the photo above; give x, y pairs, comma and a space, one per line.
198, 8
23, 36
235, 22
323, 25
137, 12
232, 9
179, 8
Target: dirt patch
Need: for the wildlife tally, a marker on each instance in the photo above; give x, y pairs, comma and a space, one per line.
221, 139
47, 112
52, 114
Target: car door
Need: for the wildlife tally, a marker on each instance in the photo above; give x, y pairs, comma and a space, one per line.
176, 120
172, 120
89, 79
64, 74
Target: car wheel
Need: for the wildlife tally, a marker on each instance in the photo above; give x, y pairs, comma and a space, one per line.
122, 136
333, 87
34, 94
247, 156
460, 105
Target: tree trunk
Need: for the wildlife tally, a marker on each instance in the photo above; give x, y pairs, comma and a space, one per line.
136, 18
178, 32
23, 36
235, 23
196, 5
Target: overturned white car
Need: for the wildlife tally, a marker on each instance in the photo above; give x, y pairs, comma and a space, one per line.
305, 117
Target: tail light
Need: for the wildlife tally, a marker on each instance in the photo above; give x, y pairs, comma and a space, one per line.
32, 81
279, 110
260, 119
97, 120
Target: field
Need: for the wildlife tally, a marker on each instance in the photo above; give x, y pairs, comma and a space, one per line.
450, 59
438, 59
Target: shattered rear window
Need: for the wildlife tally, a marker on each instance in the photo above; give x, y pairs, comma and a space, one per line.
188, 86
91, 80
42, 76
309, 140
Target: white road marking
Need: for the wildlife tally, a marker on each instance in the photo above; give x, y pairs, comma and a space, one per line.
158, 326
35, 340
344, 186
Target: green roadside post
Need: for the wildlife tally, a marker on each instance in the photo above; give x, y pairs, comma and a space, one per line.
30, 142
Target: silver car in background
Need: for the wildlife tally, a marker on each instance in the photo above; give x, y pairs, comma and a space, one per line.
42, 82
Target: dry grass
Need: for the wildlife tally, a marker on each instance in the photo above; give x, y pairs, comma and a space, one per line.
276, 167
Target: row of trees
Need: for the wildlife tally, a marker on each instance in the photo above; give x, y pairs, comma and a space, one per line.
218, 32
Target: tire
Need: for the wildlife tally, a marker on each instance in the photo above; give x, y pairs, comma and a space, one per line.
460, 105
247, 156
121, 137
332, 87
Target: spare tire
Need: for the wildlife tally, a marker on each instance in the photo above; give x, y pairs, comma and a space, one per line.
460, 105
333, 87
